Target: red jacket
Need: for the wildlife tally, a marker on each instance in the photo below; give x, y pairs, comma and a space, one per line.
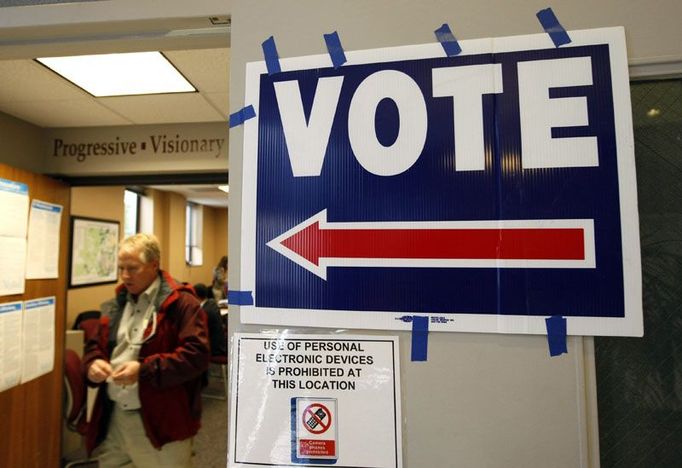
173, 363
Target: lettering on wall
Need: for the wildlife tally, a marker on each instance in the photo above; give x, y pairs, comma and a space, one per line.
158, 144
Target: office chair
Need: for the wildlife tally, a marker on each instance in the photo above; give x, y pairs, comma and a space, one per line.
220, 360
86, 320
75, 391
75, 398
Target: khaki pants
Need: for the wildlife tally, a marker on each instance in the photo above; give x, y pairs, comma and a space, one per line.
126, 445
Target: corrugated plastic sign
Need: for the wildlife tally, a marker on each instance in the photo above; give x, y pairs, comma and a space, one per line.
487, 190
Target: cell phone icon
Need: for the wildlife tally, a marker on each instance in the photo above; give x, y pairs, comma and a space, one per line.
313, 421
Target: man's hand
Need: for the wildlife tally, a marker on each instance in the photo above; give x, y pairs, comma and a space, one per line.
99, 370
127, 373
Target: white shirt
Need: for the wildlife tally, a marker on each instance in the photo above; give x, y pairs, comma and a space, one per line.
129, 339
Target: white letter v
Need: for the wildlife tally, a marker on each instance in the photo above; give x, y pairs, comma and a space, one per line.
307, 142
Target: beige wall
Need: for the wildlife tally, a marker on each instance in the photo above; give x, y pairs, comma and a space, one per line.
214, 240
169, 227
22, 144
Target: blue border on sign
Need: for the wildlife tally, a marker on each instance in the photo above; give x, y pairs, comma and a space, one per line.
351, 194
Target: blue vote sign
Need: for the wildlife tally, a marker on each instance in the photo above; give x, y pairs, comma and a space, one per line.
487, 190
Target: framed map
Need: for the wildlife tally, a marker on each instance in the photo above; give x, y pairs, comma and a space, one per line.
94, 249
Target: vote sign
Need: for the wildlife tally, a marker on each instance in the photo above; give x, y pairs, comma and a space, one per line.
488, 190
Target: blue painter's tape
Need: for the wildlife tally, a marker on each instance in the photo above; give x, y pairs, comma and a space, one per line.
447, 40
242, 298
335, 50
242, 115
420, 338
556, 335
552, 27
271, 57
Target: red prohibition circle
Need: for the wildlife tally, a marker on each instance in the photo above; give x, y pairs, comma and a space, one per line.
309, 413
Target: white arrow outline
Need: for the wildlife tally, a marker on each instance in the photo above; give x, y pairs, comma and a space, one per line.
587, 225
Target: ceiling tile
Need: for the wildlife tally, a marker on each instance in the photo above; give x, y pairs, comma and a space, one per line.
26, 80
220, 101
164, 108
71, 113
206, 69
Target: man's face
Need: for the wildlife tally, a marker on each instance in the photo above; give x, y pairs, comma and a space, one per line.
135, 274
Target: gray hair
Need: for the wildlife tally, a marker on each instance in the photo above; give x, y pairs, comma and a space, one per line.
146, 244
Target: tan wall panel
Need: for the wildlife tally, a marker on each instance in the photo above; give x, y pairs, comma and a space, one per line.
88, 298
98, 202
161, 223
220, 231
174, 218
22, 144
175, 242
215, 241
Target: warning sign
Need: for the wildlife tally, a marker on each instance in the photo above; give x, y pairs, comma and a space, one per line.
317, 418
310, 400
315, 437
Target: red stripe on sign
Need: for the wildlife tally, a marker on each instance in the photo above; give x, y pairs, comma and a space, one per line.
314, 447
313, 243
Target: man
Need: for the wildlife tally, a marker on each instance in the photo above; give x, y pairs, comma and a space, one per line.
216, 329
148, 358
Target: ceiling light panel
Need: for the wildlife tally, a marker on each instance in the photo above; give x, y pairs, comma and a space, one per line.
120, 74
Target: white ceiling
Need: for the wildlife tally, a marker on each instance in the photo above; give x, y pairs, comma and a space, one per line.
35, 94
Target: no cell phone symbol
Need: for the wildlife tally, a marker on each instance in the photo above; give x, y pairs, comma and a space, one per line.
317, 418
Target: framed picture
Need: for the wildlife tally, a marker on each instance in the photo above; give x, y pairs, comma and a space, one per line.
94, 249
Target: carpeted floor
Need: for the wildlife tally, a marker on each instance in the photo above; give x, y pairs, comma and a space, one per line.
210, 444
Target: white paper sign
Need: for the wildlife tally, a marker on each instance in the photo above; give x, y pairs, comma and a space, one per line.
14, 215
42, 259
13, 261
13, 208
39, 318
10, 345
306, 400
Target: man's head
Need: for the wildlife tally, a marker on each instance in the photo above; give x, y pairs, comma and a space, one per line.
138, 261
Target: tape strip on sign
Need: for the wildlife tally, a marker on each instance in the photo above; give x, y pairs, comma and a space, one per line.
420, 338
447, 40
271, 57
552, 27
335, 50
242, 115
556, 335
241, 298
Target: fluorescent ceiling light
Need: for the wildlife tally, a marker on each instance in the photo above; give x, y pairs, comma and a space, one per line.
224, 188
120, 74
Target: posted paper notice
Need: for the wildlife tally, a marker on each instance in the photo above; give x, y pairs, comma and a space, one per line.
42, 259
39, 327
10, 344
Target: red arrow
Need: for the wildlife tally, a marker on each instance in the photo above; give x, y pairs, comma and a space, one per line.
316, 244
